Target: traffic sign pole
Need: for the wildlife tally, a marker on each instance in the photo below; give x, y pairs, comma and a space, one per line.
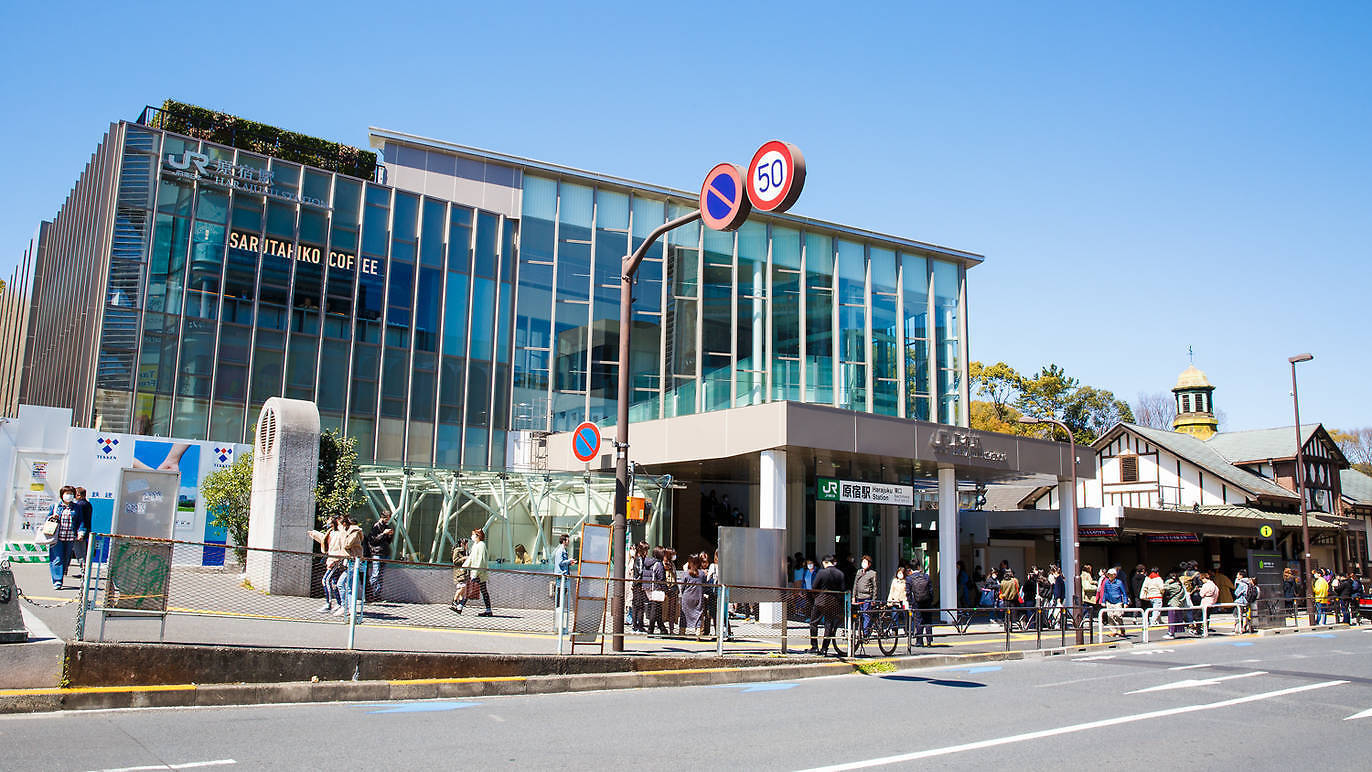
620, 526
726, 200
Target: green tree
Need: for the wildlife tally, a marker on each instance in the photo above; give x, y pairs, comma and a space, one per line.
1047, 393
1000, 384
338, 491
1091, 412
228, 498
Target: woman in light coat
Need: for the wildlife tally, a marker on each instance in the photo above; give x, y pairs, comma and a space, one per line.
1209, 595
476, 572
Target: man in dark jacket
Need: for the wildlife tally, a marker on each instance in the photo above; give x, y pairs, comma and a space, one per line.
919, 595
379, 548
829, 585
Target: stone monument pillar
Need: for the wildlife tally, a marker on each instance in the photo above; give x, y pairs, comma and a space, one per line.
284, 473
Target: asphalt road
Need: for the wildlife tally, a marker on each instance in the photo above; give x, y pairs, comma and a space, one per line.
1256, 703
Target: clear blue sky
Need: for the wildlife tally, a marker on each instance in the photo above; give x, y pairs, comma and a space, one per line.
1141, 178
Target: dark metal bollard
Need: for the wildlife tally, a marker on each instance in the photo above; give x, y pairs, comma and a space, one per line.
12, 628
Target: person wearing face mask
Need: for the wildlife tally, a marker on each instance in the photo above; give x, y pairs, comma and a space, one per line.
476, 572
84, 512
865, 591
67, 531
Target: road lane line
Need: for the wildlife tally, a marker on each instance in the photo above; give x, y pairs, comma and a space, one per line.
1043, 733
186, 765
1194, 682
1365, 714
1188, 667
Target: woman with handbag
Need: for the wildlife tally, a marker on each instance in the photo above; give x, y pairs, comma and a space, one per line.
62, 531
476, 574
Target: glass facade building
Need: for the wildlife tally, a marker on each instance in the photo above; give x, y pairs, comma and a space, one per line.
469, 296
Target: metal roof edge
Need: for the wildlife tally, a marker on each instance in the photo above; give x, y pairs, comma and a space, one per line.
480, 154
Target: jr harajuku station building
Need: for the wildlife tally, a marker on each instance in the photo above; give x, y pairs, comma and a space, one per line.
456, 311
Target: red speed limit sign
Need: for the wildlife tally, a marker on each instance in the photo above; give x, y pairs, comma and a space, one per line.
775, 177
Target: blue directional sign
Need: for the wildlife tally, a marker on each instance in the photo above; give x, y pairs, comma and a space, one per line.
586, 441
724, 203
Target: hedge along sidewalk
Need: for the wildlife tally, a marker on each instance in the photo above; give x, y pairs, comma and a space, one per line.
205, 695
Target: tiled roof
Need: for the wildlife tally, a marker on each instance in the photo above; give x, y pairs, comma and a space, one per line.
1005, 498
1207, 458
1260, 444
1287, 519
1356, 486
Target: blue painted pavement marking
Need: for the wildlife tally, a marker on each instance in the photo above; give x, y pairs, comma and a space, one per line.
1241, 643
980, 669
765, 687
421, 707
1318, 635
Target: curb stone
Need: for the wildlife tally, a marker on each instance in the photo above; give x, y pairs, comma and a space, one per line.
216, 695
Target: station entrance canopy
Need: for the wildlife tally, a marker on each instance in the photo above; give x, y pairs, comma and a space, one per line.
841, 437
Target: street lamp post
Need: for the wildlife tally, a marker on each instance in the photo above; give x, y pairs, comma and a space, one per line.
620, 526
1076, 543
1300, 486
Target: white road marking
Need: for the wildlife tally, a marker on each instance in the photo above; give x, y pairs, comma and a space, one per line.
1194, 682
494, 717
1245, 661
186, 765
1084, 680
1365, 714
1039, 735
1188, 667
1093, 659
1146, 652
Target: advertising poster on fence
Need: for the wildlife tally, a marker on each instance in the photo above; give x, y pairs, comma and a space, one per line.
96, 459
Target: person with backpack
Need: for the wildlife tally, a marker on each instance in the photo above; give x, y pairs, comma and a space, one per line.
1009, 594
919, 594
1245, 595
829, 584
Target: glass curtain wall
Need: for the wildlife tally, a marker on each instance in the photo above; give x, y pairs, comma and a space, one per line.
771, 312
392, 311
427, 330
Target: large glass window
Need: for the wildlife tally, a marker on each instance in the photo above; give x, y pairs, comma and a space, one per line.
819, 319
571, 314
683, 282
786, 293
167, 263
751, 330
717, 321
915, 284
886, 348
852, 325
611, 244
946, 302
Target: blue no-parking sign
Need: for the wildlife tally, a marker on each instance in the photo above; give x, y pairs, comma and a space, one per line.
724, 201
586, 441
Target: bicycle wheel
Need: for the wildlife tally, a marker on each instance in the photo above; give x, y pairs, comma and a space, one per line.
842, 646
888, 632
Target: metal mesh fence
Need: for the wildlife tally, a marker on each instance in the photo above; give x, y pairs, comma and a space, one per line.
502, 609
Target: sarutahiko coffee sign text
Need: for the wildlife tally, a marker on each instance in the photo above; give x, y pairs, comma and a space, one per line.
288, 250
191, 165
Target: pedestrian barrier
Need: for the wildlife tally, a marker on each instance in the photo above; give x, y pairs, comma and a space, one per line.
341, 597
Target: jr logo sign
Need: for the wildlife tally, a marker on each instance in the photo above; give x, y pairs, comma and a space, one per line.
827, 490
189, 160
